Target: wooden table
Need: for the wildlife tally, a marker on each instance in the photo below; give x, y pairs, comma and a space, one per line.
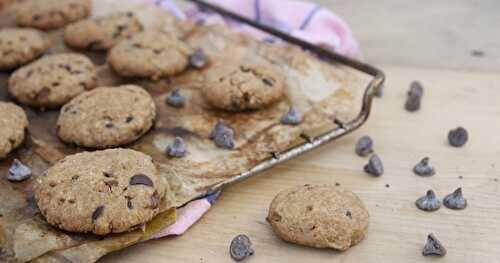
397, 228
464, 96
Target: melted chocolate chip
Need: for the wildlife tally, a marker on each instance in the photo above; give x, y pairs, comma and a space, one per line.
97, 212
141, 179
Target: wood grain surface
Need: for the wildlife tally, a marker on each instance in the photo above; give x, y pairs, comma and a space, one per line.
397, 228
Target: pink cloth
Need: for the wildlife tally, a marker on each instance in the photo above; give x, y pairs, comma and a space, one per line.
301, 19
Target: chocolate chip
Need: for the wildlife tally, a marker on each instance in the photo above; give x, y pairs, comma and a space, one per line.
455, 200
433, 247
241, 248
458, 137
136, 45
364, 146
268, 82
374, 166
129, 204
198, 59
157, 51
141, 179
18, 171
428, 202
175, 99
97, 212
477, 53
36, 17
177, 148
222, 136
109, 125
106, 174
424, 168
129, 14
291, 117
414, 98
348, 214
129, 119
43, 94
93, 45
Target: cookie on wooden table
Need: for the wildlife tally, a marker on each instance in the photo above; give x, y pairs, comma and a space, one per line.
319, 216
13, 125
53, 80
19, 46
149, 55
107, 117
49, 14
101, 33
102, 192
241, 86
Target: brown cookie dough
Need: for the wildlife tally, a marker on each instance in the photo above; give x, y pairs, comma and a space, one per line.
49, 14
107, 117
240, 86
319, 216
13, 125
101, 33
149, 55
102, 192
19, 46
53, 80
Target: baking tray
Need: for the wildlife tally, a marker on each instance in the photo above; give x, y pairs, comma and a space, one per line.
308, 143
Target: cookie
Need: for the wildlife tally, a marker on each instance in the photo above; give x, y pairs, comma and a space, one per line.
53, 80
49, 14
320, 216
107, 117
240, 86
101, 33
19, 46
102, 192
13, 125
149, 55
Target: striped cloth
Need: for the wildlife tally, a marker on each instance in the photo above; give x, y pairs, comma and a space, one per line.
304, 20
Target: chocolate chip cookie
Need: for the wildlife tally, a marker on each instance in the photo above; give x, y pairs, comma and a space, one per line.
13, 124
102, 192
240, 86
53, 80
101, 33
149, 55
319, 216
107, 117
19, 46
49, 14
